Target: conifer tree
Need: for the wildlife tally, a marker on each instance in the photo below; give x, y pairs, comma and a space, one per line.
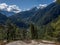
34, 34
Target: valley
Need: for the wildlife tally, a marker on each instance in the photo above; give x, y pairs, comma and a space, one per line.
40, 26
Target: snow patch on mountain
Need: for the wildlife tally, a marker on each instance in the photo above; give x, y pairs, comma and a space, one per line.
42, 6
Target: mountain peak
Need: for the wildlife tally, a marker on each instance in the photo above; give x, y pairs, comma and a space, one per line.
41, 6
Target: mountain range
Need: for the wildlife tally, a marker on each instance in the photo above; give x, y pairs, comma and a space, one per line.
3, 18
7, 13
37, 16
47, 14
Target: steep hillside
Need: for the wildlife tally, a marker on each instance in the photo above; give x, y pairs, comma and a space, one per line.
41, 12
3, 19
54, 29
56, 25
7, 13
21, 18
47, 14
25, 14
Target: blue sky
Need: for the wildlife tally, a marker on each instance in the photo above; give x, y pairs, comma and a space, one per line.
26, 4
18, 5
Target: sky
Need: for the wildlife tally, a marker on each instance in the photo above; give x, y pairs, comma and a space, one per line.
22, 4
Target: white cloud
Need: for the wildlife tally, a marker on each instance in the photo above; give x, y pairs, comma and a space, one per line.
9, 8
13, 8
42, 6
3, 6
54, 0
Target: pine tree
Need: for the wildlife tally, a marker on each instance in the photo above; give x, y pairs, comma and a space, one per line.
10, 31
34, 33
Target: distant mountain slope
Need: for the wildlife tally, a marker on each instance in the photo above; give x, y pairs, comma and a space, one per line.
47, 14
37, 16
19, 22
7, 13
25, 14
41, 12
3, 18
20, 18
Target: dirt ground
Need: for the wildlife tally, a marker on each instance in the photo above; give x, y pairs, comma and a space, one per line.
29, 42
32, 42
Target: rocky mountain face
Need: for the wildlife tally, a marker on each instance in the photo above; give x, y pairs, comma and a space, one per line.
34, 15
7, 13
47, 14
3, 18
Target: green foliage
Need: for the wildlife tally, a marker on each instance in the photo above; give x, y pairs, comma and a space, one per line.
34, 33
1, 33
12, 32
58, 1
52, 30
56, 26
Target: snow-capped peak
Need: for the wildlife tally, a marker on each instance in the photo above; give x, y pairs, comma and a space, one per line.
42, 6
